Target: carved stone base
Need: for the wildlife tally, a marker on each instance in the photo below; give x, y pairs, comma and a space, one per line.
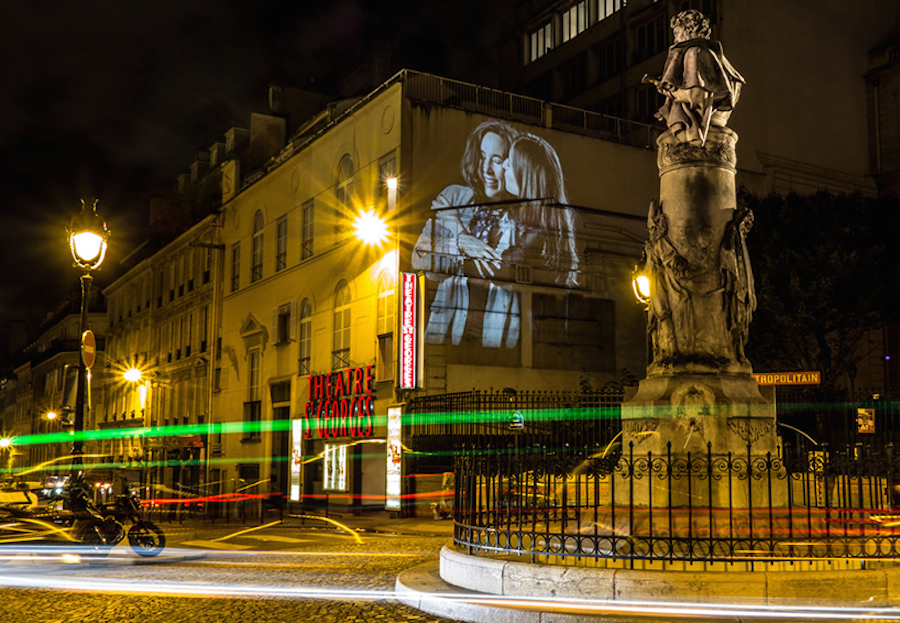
692, 410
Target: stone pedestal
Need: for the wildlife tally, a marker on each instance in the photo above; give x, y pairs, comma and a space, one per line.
692, 410
699, 400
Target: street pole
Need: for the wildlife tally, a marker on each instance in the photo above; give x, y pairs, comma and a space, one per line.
88, 236
83, 386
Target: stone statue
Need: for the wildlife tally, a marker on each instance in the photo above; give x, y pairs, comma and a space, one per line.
699, 394
700, 86
703, 295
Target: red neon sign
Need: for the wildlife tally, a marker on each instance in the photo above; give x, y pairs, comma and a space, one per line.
408, 331
340, 404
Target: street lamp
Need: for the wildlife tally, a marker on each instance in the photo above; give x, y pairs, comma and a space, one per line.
88, 238
370, 229
640, 283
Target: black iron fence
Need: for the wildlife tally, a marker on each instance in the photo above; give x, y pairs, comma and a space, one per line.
565, 502
546, 475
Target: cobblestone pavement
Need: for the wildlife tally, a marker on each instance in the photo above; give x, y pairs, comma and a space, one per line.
266, 566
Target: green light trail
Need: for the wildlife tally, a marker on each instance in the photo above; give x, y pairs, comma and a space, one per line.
489, 418
241, 427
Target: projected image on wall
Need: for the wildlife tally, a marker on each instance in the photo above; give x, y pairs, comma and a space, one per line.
510, 215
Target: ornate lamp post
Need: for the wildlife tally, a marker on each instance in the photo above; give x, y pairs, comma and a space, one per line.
88, 238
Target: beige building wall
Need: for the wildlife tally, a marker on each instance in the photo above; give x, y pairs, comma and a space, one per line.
161, 316
308, 178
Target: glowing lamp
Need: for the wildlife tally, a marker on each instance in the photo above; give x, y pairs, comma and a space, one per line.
391, 183
132, 375
370, 229
5, 442
88, 236
142, 394
52, 415
640, 283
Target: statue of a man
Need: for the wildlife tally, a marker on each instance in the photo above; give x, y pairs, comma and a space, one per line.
700, 86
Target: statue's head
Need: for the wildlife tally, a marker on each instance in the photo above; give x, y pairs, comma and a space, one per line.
689, 25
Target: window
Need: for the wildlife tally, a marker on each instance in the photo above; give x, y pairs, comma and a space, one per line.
343, 209
179, 276
178, 335
306, 245
305, 336
190, 270
541, 41
648, 101
281, 393
610, 59
707, 7
253, 376
256, 249
605, 8
145, 292
384, 327
203, 325
387, 169
652, 37
207, 265
384, 371
574, 21
283, 321
335, 461
574, 76
160, 287
281, 243
253, 406
340, 351
188, 334
235, 267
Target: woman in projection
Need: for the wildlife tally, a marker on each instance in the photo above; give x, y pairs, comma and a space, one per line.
541, 227
468, 233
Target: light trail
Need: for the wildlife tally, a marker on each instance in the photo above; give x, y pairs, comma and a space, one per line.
353, 532
592, 607
246, 531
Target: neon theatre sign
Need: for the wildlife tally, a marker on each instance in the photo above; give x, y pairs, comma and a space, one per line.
409, 339
341, 404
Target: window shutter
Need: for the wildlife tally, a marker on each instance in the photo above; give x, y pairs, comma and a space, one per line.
275, 337
293, 321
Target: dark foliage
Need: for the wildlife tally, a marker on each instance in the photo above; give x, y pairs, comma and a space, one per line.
826, 269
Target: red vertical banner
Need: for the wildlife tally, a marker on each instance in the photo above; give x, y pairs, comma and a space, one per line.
409, 330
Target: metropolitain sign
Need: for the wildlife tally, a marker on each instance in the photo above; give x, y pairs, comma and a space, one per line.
788, 378
340, 404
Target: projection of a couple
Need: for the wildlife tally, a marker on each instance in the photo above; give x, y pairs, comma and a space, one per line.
512, 211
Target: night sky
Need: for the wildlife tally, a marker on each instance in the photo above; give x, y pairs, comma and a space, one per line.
112, 99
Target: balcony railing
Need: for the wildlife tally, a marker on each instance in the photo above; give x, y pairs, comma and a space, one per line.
474, 98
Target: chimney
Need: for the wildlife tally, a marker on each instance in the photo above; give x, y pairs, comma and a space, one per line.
216, 154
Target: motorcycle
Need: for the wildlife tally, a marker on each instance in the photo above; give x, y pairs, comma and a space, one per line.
103, 527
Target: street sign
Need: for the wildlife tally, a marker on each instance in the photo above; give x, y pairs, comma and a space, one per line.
88, 348
788, 378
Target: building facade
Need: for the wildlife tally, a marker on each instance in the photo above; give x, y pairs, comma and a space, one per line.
44, 387
804, 115
161, 318
316, 349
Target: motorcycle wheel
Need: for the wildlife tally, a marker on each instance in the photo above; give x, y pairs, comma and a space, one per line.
146, 539
93, 543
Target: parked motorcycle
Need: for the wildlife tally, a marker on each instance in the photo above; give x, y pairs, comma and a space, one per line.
104, 526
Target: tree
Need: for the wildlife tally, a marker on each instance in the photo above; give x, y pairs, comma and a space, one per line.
826, 269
